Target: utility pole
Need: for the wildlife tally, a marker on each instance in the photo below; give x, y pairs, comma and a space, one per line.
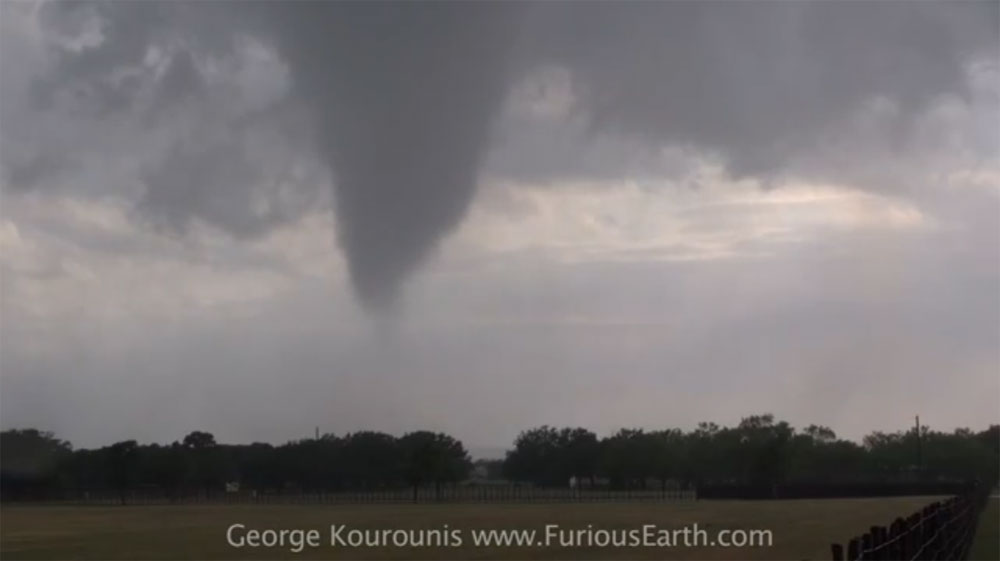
919, 446
317, 433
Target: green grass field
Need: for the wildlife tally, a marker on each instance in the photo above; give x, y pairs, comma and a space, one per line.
986, 545
800, 529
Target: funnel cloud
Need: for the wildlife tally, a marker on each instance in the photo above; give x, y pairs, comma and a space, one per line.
404, 95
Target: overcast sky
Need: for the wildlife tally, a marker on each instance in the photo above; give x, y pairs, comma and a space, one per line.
257, 218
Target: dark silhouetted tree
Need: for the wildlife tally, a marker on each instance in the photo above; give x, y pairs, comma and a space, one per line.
436, 458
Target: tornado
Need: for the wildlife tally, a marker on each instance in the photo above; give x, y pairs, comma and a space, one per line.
403, 96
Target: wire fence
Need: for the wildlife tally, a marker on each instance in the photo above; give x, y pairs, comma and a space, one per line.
941, 530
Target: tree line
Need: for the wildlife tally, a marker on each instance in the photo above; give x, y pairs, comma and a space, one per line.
758, 451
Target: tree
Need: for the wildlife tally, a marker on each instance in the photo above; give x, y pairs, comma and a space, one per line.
210, 468
199, 440
820, 434
433, 458
763, 448
123, 459
30, 462
258, 468
372, 460
628, 458
580, 453
166, 467
668, 455
535, 457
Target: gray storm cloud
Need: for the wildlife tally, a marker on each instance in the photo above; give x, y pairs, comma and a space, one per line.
403, 97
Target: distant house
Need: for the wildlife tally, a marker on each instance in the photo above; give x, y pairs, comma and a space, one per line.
479, 472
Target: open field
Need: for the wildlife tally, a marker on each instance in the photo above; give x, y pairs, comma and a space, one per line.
801, 529
986, 545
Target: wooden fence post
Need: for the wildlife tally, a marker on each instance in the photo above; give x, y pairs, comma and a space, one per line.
876, 543
853, 549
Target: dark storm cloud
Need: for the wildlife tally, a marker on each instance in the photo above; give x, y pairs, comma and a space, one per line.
403, 96
759, 82
211, 182
181, 79
100, 61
